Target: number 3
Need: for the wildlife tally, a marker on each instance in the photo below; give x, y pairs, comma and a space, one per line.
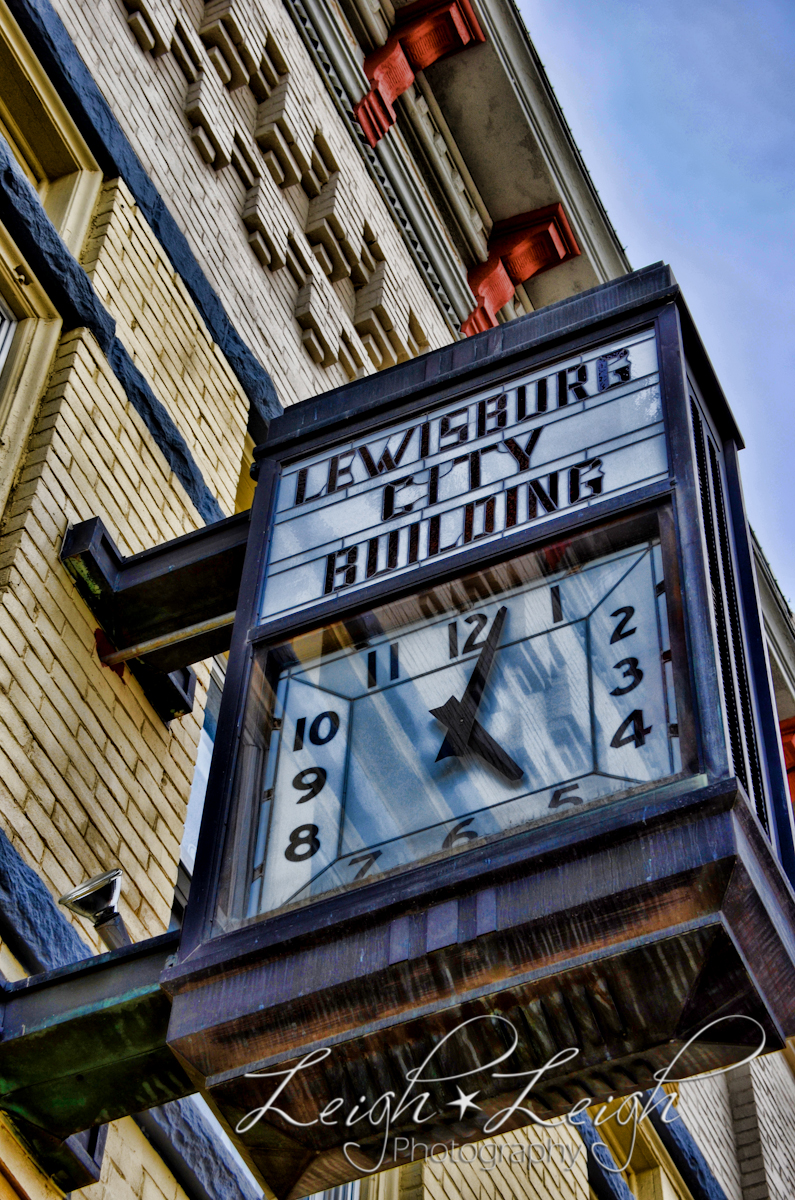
631, 671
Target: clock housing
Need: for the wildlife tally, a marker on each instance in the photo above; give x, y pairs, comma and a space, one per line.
497, 744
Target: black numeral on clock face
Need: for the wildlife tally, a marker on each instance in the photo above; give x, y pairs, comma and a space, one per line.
318, 733
311, 781
638, 734
372, 665
632, 672
367, 861
621, 631
460, 833
303, 843
632, 731
474, 640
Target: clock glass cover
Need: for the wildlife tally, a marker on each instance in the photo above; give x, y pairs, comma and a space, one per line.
517, 695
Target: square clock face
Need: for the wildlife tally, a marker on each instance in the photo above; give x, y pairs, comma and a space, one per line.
517, 695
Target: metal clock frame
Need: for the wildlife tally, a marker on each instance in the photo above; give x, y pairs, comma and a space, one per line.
704, 742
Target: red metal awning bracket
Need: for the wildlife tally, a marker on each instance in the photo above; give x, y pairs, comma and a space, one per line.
519, 248
425, 32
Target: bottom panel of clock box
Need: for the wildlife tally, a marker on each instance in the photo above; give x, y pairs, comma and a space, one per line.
421, 728
664, 940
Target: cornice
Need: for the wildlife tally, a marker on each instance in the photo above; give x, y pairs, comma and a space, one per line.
506, 32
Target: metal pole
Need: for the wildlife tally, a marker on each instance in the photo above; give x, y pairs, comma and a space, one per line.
167, 639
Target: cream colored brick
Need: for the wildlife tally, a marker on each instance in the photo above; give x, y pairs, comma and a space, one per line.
89, 763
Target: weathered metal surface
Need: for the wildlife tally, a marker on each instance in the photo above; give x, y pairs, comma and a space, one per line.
624, 947
86, 1044
154, 594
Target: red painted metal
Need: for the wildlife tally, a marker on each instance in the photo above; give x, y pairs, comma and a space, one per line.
424, 33
519, 248
787, 731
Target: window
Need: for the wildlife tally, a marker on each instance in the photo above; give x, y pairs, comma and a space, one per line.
193, 819
57, 162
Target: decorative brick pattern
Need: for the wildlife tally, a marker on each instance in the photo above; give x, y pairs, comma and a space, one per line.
774, 1094
745, 1117
131, 1169
21, 1178
188, 109
705, 1107
536, 1163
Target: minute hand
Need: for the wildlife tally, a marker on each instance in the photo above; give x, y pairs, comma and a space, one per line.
473, 694
459, 715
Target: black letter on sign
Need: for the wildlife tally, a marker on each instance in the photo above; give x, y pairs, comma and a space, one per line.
638, 735
523, 456
337, 470
589, 473
386, 462
458, 433
300, 488
347, 569
613, 369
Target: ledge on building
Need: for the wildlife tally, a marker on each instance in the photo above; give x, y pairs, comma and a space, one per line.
164, 608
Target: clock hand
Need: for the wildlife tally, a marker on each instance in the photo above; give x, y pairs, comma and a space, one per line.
482, 743
460, 715
463, 731
492, 753
476, 687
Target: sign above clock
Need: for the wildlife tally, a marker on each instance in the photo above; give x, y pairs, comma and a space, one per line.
471, 471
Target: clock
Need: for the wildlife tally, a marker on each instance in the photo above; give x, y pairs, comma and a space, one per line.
519, 694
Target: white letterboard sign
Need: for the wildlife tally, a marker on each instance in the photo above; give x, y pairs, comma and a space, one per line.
561, 438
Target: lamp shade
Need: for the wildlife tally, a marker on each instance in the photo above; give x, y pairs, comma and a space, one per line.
97, 898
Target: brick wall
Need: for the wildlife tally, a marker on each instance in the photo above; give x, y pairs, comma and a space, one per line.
21, 1178
530, 1164
774, 1094
167, 339
90, 778
705, 1107
284, 186
131, 1169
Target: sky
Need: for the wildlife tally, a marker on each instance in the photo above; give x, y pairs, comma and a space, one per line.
684, 111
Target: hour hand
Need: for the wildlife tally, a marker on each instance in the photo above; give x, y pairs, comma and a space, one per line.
479, 741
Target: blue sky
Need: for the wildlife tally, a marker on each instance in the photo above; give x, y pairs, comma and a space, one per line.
685, 115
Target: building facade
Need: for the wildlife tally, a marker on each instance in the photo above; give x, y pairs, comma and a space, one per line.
209, 211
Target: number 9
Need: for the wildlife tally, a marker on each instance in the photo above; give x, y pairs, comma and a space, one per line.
311, 781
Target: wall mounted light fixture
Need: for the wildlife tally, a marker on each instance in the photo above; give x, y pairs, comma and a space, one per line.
97, 900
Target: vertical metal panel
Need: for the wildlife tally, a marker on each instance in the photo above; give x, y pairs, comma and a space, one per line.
204, 887
737, 696
782, 821
696, 597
